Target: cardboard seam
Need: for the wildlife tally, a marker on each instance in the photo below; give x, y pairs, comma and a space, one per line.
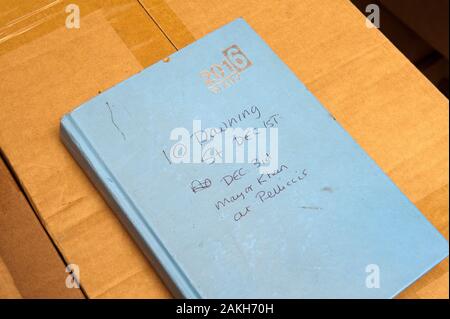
157, 25
30, 202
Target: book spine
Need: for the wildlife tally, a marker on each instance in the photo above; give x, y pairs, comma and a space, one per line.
129, 215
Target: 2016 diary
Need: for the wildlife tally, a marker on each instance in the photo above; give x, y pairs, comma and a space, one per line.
237, 183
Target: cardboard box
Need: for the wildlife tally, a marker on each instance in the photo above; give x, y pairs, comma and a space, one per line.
30, 265
8, 288
391, 110
46, 71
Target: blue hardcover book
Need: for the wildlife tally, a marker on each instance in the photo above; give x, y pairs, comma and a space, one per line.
237, 183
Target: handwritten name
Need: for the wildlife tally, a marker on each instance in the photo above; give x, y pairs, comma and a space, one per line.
265, 195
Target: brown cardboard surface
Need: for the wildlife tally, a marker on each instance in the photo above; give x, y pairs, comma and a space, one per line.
46, 72
377, 95
8, 288
391, 110
29, 263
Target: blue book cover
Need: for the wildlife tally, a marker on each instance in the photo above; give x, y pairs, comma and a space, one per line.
237, 183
